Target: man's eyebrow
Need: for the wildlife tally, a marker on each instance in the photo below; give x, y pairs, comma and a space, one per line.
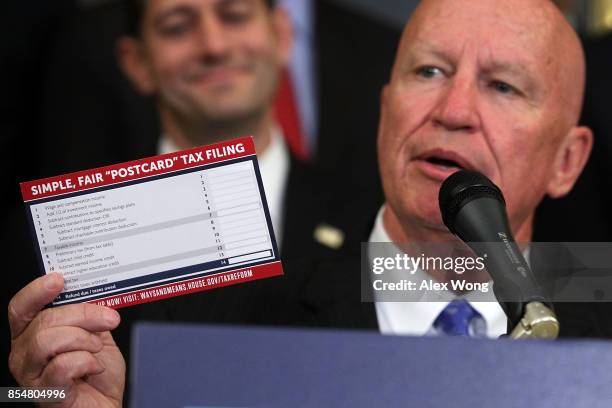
516, 68
420, 48
175, 11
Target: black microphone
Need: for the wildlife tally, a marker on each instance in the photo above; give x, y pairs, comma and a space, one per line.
474, 209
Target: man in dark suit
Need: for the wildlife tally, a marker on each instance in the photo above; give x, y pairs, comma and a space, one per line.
469, 89
91, 117
88, 109
299, 195
213, 81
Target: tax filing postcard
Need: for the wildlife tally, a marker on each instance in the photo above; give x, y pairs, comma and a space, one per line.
155, 228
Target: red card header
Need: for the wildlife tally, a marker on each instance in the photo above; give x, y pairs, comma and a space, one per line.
137, 169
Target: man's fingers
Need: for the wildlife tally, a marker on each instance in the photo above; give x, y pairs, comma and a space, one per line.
93, 318
65, 368
49, 343
29, 301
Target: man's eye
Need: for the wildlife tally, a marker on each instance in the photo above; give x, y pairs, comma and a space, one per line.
175, 29
503, 87
428, 72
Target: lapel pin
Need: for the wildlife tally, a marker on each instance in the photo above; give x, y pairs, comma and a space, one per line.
329, 236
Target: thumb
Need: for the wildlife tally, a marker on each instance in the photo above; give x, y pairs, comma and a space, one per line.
30, 300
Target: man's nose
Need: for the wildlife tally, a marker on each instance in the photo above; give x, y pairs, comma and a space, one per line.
456, 108
212, 39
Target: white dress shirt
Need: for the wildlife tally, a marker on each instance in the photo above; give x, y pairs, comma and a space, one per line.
274, 169
416, 318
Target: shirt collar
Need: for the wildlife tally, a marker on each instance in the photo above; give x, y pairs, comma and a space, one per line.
165, 145
274, 169
379, 233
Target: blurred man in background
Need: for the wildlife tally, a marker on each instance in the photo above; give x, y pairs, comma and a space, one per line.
213, 68
83, 113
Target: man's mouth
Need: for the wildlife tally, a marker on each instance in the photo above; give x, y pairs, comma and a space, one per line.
443, 162
439, 163
216, 74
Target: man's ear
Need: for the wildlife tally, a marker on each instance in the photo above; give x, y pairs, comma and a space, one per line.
284, 34
570, 161
133, 62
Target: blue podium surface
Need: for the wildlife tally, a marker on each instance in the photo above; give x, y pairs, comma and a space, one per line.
216, 366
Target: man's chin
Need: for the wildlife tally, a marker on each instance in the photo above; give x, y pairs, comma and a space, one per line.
423, 221
228, 111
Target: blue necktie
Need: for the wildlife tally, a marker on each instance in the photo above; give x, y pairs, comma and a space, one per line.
459, 318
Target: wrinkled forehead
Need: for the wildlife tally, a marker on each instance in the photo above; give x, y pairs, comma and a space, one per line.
489, 30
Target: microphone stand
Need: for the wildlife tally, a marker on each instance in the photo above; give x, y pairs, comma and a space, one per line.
538, 322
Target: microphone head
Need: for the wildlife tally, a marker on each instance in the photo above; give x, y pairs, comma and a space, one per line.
459, 189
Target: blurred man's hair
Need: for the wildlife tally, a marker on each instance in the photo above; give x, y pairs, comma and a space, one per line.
135, 11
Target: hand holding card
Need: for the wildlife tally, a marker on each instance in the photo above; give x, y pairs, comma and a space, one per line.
68, 346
